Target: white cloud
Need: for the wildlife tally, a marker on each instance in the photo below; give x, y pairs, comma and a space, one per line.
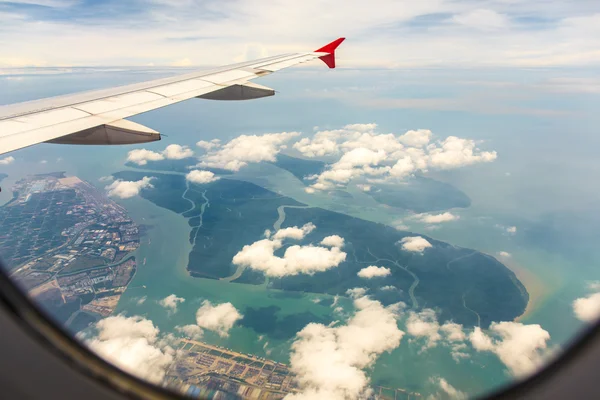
191, 331
522, 348
373, 271
424, 324
132, 344
142, 156
141, 300
171, 152
587, 308
246, 149
333, 241
456, 152
201, 177
177, 152
108, 178
170, 302
436, 218
356, 292
388, 287
416, 138
482, 19
384, 157
294, 232
206, 145
309, 259
183, 62
127, 189
449, 390
511, 229
415, 244
44, 162
329, 361
593, 285
219, 318
504, 254
7, 160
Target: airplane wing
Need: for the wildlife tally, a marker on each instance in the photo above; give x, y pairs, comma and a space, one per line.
98, 117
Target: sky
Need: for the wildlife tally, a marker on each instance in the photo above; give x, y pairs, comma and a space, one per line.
381, 33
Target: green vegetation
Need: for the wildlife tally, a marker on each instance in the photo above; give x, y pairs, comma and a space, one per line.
299, 167
460, 283
184, 165
420, 194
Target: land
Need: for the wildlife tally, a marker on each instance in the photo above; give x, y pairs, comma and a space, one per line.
202, 370
67, 245
464, 285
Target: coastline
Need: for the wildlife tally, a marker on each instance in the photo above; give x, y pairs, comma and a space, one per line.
537, 290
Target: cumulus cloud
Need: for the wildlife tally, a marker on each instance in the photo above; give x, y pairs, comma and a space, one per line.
7, 160
131, 343
127, 189
308, 259
456, 152
171, 152
587, 308
191, 331
449, 390
294, 232
177, 152
511, 229
246, 149
388, 287
504, 254
201, 177
373, 271
219, 318
436, 218
385, 157
206, 145
142, 156
424, 324
329, 362
170, 302
333, 241
522, 348
415, 244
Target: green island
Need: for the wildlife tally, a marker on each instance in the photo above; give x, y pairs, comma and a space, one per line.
464, 285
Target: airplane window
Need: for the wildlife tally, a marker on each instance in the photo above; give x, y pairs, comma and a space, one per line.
419, 222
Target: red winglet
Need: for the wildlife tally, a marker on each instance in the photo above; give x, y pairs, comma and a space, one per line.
329, 59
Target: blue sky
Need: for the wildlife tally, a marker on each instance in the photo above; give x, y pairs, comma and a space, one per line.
381, 33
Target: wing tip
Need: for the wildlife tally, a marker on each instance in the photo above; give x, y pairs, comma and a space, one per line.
329, 59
